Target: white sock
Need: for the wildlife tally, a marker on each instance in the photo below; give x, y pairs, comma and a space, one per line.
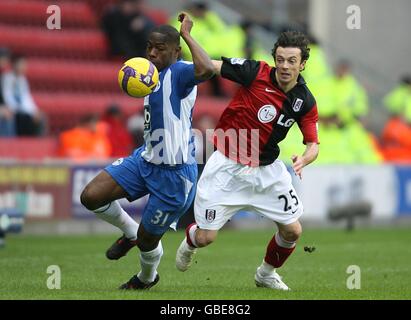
266, 269
149, 262
192, 234
284, 243
114, 214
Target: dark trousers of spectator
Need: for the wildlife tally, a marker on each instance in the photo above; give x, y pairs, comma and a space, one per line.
26, 125
7, 127
2, 238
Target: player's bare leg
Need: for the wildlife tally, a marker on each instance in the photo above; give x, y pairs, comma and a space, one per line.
278, 250
100, 196
195, 238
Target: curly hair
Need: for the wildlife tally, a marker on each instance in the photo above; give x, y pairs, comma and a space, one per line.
293, 39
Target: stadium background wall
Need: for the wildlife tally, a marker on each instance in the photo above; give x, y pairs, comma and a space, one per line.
47, 192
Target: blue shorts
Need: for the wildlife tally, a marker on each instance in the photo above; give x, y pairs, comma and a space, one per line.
171, 189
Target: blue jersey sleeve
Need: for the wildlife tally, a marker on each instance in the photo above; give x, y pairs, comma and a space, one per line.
184, 75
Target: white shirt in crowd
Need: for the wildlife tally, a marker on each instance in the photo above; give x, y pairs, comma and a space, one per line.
17, 95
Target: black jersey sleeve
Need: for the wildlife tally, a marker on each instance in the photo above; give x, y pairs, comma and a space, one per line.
239, 70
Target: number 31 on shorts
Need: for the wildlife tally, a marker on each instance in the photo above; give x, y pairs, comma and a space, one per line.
160, 218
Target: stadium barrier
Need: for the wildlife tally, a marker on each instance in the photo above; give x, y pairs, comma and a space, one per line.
51, 191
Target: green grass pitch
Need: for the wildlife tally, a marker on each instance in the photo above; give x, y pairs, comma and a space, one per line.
225, 270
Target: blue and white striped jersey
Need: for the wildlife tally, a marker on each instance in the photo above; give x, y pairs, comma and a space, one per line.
168, 115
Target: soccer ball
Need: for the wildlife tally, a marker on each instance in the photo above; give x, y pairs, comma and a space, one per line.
138, 77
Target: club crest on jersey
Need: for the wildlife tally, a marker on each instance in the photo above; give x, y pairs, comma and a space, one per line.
118, 162
210, 215
298, 103
237, 61
267, 113
158, 86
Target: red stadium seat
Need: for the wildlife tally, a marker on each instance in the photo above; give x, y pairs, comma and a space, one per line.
32, 12
73, 75
54, 43
28, 148
64, 110
157, 15
69, 71
82, 103
89, 76
68, 103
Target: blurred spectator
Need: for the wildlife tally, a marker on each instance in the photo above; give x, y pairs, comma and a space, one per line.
334, 147
251, 47
2, 239
16, 93
249, 40
127, 28
120, 139
407, 113
396, 100
87, 141
342, 105
350, 100
348, 95
135, 126
6, 114
318, 68
318, 74
340, 142
214, 35
362, 144
209, 28
396, 140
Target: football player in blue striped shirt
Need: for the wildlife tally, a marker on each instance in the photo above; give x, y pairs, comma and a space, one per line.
164, 167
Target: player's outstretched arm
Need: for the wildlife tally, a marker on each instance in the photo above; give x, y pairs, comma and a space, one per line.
217, 66
203, 67
309, 155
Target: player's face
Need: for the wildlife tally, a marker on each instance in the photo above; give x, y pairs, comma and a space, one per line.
289, 64
160, 52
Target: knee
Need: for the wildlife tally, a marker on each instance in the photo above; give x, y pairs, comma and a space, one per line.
205, 238
88, 199
292, 235
146, 244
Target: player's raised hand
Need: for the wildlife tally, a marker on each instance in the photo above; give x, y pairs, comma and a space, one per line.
298, 165
186, 23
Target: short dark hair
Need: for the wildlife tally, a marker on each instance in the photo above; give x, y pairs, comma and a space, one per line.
171, 33
198, 4
293, 39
